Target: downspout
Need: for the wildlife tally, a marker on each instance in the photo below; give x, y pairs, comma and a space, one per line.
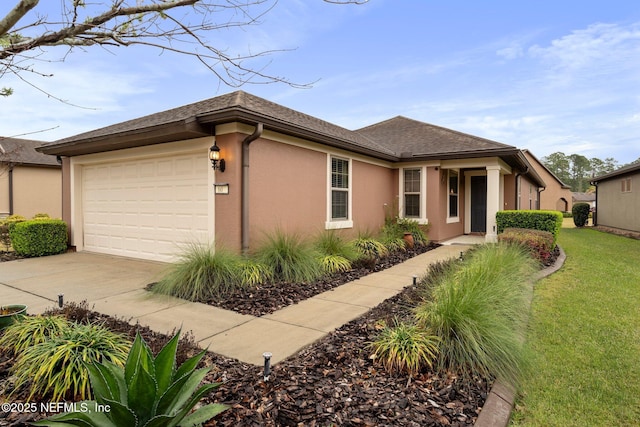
244, 228
11, 190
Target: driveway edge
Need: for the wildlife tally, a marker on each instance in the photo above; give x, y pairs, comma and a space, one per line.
496, 411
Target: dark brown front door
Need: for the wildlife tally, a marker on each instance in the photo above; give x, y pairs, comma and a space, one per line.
478, 204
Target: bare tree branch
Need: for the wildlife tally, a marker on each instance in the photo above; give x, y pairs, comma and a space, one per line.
151, 23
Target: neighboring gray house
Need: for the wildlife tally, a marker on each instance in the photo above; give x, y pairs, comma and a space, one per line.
618, 198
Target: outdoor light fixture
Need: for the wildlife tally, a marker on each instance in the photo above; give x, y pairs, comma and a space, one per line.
214, 155
267, 365
60, 300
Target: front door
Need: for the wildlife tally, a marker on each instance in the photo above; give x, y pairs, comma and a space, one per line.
478, 204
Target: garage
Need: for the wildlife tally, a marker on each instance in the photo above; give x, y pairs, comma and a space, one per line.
145, 208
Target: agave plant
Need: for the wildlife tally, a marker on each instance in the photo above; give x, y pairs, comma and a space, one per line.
148, 391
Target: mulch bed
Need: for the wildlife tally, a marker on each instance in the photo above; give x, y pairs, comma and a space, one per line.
269, 297
333, 381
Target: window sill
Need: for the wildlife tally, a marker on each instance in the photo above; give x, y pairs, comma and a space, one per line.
335, 225
453, 220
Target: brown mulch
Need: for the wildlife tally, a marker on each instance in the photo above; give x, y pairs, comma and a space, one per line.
333, 381
270, 297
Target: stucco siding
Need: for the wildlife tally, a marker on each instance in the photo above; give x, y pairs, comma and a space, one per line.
616, 208
375, 188
37, 190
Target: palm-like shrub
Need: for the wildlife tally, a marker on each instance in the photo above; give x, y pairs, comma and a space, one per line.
370, 250
405, 348
56, 367
31, 331
478, 312
148, 391
289, 258
201, 273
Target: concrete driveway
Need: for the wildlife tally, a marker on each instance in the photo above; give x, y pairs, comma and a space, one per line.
37, 282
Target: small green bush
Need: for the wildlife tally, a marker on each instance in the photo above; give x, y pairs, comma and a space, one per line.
405, 348
538, 242
56, 368
550, 221
335, 254
147, 391
289, 258
395, 228
370, 250
39, 237
478, 312
580, 213
202, 273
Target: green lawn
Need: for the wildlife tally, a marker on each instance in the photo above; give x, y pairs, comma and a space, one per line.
584, 337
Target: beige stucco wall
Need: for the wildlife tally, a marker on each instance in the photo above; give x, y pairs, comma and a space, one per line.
554, 197
617, 209
288, 189
35, 190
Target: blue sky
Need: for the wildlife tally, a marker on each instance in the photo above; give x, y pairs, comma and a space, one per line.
544, 75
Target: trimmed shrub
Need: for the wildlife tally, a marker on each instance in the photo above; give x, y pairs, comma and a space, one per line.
39, 237
478, 312
540, 243
550, 221
580, 213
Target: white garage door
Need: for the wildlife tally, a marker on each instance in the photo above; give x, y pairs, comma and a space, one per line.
145, 208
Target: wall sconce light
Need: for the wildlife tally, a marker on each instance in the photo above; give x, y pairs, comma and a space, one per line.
214, 155
221, 188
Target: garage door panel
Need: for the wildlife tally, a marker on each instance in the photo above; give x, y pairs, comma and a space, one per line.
146, 208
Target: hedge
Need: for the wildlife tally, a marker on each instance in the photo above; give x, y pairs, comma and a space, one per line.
540, 243
550, 221
39, 237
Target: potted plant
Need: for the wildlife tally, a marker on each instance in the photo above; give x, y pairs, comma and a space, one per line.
10, 313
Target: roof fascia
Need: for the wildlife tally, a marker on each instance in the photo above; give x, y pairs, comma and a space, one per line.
168, 132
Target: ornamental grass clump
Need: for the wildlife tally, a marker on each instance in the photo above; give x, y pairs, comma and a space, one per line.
288, 258
478, 311
31, 331
405, 348
56, 368
202, 273
335, 254
147, 391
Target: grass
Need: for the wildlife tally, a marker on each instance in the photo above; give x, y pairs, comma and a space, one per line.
289, 258
477, 311
584, 337
202, 273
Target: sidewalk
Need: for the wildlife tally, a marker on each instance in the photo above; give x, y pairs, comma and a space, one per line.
115, 286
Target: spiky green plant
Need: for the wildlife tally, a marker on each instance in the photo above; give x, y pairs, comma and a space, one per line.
147, 392
330, 243
289, 258
335, 264
202, 273
369, 250
56, 367
478, 312
253, 273
31, 331
405, 348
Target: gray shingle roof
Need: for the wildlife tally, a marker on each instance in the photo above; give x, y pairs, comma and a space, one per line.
419, 139
22, 151
243, 104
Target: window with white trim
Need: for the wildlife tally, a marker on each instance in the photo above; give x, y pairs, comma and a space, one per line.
339, 189
412, 184
453, 194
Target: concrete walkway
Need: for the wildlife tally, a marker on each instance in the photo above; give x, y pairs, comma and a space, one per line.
115, 286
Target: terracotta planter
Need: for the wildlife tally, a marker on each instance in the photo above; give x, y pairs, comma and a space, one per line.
408, 239
10, 313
